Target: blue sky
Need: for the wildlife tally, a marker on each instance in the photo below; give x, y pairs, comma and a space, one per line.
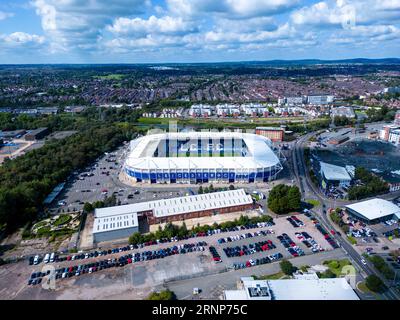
138, 31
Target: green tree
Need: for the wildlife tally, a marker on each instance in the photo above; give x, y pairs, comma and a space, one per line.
162, 295
374, 283
287, 267
87, 207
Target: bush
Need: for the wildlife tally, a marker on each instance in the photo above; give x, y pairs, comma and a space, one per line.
62, 219
171, 230
374, 283
162, 295
287, 267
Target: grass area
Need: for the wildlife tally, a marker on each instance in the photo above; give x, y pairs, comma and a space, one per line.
336, 266
113, 76
352, 240
364, 289
62, 219
275, 276
313, 202
220, 122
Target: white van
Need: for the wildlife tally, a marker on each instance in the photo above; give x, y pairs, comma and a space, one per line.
52, 257
46, 258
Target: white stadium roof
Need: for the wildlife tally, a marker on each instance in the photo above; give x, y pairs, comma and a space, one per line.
180, 205
375, 208
259, 148
333, 172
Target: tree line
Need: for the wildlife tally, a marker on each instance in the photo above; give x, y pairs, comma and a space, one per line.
27, 180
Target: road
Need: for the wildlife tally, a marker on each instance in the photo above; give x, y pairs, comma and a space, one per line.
309, 191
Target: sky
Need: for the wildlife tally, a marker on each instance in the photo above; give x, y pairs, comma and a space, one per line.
161, 31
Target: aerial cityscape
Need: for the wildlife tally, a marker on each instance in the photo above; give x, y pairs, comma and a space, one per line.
199, 150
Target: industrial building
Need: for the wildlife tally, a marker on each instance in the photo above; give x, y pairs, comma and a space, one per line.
37, 134
121, 221
12, 134
338, 140
332, 175
300, 288
374, 210
275, 134
343, 111
202, 157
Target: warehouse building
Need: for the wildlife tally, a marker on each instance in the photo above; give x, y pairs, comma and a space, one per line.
37, 134
302, 288
374, 210
121, 221
108, 226
332, 175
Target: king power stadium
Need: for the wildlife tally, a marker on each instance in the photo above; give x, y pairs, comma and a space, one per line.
202, 157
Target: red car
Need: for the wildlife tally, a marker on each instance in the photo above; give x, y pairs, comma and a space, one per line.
129, 260
69, 258
333, 232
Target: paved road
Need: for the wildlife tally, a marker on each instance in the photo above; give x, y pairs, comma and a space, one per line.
212, 286
309, 191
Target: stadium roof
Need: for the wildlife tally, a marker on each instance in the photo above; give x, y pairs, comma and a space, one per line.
375, 208
180, 205
294, 289
260, 154
333, 172
111, 223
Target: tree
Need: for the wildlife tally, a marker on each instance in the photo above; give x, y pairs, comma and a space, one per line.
283, 199
136, 238
87, 207
287, 267
162, 295
374, 283
327, 274
201, 191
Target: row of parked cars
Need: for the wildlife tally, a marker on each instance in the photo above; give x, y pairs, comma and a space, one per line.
78, 270
56, 258
364, 232
215, 255
295, 222
327, 236
245, 236
255, 262
290, 246
309, 242
239, 251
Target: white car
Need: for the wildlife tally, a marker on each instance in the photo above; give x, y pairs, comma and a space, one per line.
36, 260
363, 262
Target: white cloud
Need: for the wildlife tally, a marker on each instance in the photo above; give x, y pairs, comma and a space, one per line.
5, 15
79, 23
21, 40
334, 13
138, 27
230, 8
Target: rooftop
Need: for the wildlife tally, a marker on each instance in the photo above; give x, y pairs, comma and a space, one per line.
294, 289
179, 205
259, 155
375, 208
333, 172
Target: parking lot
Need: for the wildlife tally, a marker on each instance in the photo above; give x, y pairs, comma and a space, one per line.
144, 276
100, 180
